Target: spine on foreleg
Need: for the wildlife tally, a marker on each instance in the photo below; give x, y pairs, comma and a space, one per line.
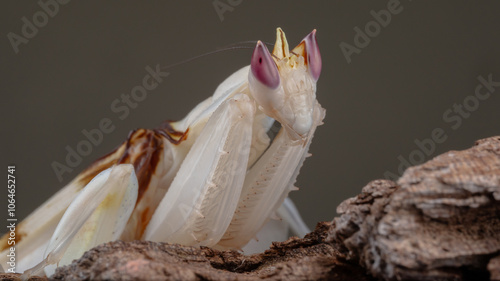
254, 192
265, 183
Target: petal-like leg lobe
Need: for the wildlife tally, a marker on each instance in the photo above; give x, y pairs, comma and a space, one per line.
98, 214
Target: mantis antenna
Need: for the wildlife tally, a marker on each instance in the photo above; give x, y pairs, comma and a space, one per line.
234, 46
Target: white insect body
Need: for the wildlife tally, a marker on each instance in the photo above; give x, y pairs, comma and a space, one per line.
214, 178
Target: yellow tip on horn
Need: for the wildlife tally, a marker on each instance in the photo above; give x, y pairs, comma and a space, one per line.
281, 50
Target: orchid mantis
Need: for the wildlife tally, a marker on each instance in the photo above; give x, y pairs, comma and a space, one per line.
214, 178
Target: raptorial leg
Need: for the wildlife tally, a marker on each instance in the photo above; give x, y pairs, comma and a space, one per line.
273, 230
267, 185
289, 213
203, 196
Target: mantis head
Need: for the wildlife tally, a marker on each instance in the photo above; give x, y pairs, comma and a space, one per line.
284, 83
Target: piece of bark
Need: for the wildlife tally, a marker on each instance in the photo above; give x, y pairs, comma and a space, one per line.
310, 258
441, 221
17, 277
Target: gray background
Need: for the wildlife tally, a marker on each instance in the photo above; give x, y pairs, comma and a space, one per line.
394, 91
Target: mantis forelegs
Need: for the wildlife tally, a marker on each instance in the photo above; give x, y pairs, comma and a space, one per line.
267, 185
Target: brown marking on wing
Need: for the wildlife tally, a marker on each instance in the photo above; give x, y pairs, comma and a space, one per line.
143, 150
174, 136
144, 161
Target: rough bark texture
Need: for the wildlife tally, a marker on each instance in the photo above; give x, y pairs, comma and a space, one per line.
16, 277
294, 259
440, 221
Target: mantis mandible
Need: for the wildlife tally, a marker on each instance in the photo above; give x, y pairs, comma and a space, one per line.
214, 178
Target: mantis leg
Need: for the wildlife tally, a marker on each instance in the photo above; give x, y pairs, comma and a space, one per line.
98, 214
267, 185
289, 213
34, 231
288, 220
203, 196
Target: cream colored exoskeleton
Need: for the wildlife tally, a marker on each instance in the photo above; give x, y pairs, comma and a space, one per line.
214, 178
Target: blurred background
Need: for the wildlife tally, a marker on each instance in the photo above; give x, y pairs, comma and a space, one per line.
393, 73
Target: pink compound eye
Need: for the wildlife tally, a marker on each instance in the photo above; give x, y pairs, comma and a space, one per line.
313, 55
263, 67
